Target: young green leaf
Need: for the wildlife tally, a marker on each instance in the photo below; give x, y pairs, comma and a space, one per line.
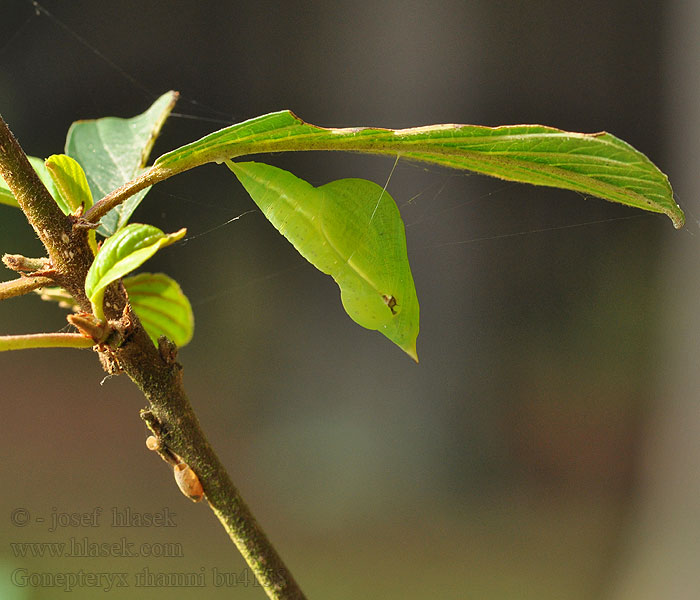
72, 193
70, 183
120, 254
113, 151
161, 307
598, 164
156, 299
351, 230
6, 196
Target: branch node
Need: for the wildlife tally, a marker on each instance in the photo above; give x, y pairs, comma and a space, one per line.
167, 350
80, 222
88, 325
28, 266
185, 477
156, 442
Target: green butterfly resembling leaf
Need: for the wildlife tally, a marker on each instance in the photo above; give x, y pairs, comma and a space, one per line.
351, 230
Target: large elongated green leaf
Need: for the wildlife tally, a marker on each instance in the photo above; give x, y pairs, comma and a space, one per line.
161, 307
7, 197
120, 254
351, 230
598, 164
113, 151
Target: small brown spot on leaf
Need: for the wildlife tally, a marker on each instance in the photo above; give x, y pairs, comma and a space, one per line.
390, 301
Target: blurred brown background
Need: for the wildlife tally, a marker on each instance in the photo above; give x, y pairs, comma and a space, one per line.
545, 447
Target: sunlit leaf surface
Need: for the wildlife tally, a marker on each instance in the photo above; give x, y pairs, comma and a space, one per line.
351, 230
598, 164
70, 183
161, 307
112, 151
120, 254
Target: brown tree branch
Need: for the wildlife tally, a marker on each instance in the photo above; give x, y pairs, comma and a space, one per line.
67, 246
154, 370
22, 264
23, 285
123, 193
